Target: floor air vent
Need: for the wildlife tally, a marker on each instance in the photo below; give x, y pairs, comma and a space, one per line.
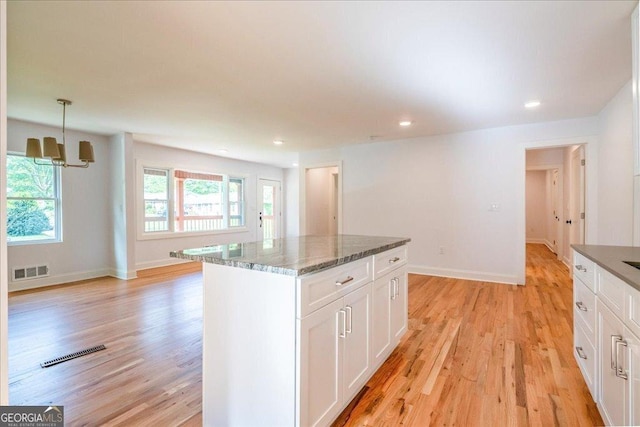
72, 356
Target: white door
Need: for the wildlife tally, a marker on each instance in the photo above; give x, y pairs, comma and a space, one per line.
613, 389
555, 231
381, 330
399, 305
357, 342
269, 216
321, 345
576, 200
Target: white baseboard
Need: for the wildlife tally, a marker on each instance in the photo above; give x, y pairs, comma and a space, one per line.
22, 285
160, 263
122, 274
463, 274
537, 241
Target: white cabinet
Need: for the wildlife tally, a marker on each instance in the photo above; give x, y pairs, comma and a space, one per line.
320, 387
614, 396
294, 351
607, 348
584, 320
619, 369
334, 341
381, 333
389, 303
399, 309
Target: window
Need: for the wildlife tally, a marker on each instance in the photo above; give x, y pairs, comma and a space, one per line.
156, 200
185, 201
33, 201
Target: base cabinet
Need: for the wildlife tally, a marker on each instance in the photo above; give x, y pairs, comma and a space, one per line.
610, 363
614, 397
390, 313
294, 351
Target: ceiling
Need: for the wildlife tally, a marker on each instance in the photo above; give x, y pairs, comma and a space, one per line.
207, 76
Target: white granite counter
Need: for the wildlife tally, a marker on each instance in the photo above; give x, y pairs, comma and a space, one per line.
612, 259
293, 256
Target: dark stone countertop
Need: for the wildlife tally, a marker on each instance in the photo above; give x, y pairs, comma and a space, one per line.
612, 258
293, 256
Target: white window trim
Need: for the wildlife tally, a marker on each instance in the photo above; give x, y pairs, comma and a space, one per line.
57, 186
141, 165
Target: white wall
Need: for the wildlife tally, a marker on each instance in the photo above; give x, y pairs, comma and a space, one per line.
545, 158
439, 190
85, 249
155, 252
536, 206
291, 190
615, 170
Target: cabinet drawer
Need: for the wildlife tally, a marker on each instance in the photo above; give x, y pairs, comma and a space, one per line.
319, 289
584, 302
585, 355
387, 261
612, 292
585, 269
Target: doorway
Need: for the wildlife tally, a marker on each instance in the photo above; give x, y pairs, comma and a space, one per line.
321, 200
576, 205
269, 209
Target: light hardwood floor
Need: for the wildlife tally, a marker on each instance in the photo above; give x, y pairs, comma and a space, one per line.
475, 354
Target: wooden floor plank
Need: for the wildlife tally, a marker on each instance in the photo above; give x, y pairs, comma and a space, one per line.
476, 353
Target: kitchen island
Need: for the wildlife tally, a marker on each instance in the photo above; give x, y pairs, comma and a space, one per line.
293, 328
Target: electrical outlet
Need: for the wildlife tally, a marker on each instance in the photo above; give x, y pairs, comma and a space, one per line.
441, 250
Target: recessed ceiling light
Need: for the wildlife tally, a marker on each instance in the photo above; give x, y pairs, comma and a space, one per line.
295, 165
278, 142
223, 150
532, 104
405, 123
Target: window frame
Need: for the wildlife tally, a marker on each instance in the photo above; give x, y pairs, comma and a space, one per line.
172, 232
57, 199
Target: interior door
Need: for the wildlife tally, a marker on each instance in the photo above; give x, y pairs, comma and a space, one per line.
576, 202
554, 211
269, 216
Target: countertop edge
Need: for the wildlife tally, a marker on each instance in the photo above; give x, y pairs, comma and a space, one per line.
315, 268
606, 263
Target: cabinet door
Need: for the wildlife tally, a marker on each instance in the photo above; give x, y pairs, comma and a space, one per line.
381, 329
633, 344
399, 308
613, 389
320, 380
357, 356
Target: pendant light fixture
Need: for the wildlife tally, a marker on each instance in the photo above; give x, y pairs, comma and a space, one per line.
51, 149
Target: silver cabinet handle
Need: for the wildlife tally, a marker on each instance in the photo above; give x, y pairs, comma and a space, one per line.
344, 323
581, 306
345, 281
614, 352
349, 319
581, 353
620, 372
393, 288
397, 286
580, 267
393, 260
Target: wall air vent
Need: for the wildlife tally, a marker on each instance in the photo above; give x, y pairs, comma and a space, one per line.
30, 272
